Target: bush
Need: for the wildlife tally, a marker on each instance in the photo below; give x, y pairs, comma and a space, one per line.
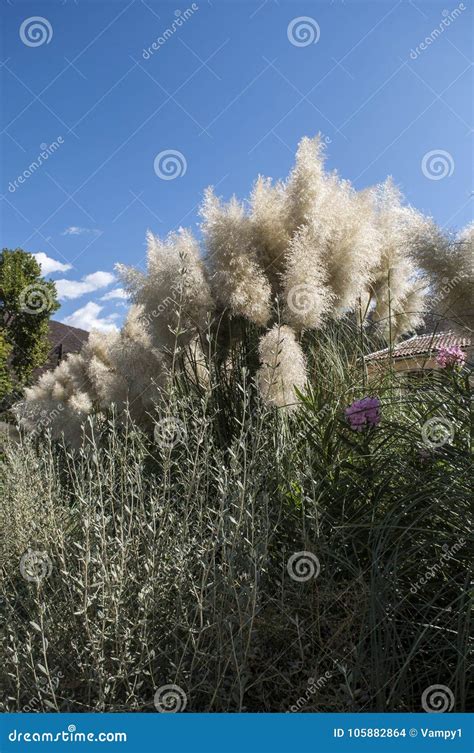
185, 560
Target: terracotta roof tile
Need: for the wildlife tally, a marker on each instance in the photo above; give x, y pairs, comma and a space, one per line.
429, 343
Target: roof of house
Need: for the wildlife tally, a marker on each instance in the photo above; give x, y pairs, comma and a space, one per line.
64, 339
421, 344
71, 338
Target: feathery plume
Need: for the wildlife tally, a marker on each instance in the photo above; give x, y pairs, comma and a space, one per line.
269, 234
133, 372
60, 401
306, 184
174, 294
306, 295
449, 262
237, 279
283, 367
352, 248
395, 277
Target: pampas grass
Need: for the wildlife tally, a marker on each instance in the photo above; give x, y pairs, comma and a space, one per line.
301, 253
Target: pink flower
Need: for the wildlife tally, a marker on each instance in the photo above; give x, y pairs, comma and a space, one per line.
363, 413
452, 356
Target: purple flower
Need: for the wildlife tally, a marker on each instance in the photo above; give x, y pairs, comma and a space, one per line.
452, 356
363, 413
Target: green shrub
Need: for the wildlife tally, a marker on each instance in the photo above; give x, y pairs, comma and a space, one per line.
167, 562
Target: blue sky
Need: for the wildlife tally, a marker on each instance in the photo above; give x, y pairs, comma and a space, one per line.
231, 87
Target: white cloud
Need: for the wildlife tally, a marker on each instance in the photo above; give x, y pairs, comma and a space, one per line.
75, 230
88, 318
48, 265
115, 293
75, 288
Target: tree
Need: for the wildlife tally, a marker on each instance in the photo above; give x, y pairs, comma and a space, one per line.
27, 301
5, 380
